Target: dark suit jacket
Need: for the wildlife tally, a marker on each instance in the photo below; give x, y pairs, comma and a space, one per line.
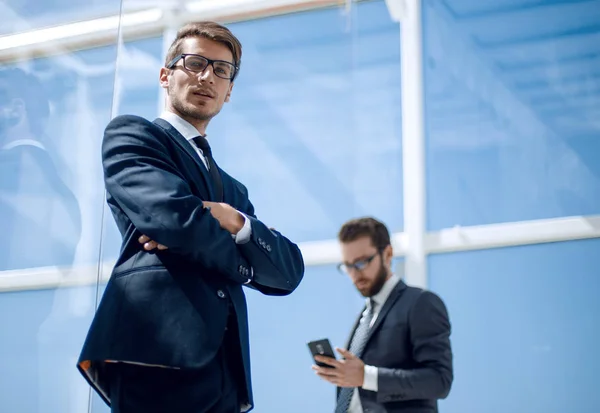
170, 308
410, 345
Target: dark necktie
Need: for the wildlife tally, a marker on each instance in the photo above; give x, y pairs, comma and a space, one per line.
202, 143
357, 345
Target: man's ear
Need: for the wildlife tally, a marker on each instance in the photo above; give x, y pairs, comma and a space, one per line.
229, 92
388, 254
163, 77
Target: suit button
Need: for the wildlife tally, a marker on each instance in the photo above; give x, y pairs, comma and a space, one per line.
220, 294
268, 248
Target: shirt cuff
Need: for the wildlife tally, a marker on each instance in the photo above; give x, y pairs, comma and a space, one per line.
243, 235
370, 382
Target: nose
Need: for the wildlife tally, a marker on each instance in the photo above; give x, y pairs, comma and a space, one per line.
207, 75
354, 274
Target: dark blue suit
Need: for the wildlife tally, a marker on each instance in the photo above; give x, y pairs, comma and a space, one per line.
409, 343
170, 308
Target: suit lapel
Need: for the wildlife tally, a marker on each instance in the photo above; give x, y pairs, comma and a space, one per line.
187, 148
389, 303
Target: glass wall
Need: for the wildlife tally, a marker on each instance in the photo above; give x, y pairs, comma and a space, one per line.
53, 106
313, 130
511, 105
512, 96
525, 327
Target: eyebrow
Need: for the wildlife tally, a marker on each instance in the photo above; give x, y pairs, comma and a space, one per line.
362, 258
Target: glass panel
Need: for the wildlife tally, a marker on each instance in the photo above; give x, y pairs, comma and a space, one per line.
139, 93
512, 93
301, 95
313, 127
525, 327
324, 306
52, 110
24, 15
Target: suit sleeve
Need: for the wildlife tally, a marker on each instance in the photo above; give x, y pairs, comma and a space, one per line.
146, 184
432, 377
276, 261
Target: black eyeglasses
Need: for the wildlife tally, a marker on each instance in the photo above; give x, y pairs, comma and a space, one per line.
358, 265
198, 64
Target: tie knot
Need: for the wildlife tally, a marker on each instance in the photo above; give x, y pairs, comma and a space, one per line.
202, 143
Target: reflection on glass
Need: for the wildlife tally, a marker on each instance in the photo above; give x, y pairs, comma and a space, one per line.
319, 112
511, 106
321, 119
50, 211
23, 15
41, 219
41, 226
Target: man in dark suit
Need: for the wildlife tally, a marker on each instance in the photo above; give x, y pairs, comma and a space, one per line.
399, 357
171, 332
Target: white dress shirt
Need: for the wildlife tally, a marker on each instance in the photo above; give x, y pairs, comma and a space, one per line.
189, 132
370, 382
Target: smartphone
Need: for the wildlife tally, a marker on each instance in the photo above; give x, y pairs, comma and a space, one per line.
322, 348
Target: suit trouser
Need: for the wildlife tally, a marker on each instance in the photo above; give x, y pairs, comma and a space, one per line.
212, 389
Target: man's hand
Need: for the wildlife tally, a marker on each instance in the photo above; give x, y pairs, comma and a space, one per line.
229, 218
349, 372
149, 245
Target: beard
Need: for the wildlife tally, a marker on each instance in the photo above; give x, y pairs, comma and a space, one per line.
378, 282
189, 111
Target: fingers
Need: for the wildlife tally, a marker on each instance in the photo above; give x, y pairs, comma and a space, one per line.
330, 361
345, 353
211, 204
331, 380
333, 376
149, 245
325, 372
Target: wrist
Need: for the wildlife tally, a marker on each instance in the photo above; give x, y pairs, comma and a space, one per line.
370, 378
238, 223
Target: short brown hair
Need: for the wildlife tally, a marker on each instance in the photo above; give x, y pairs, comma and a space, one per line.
208, 30
365, 227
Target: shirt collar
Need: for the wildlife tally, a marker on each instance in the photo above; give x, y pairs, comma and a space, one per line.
186, 129
385, 291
